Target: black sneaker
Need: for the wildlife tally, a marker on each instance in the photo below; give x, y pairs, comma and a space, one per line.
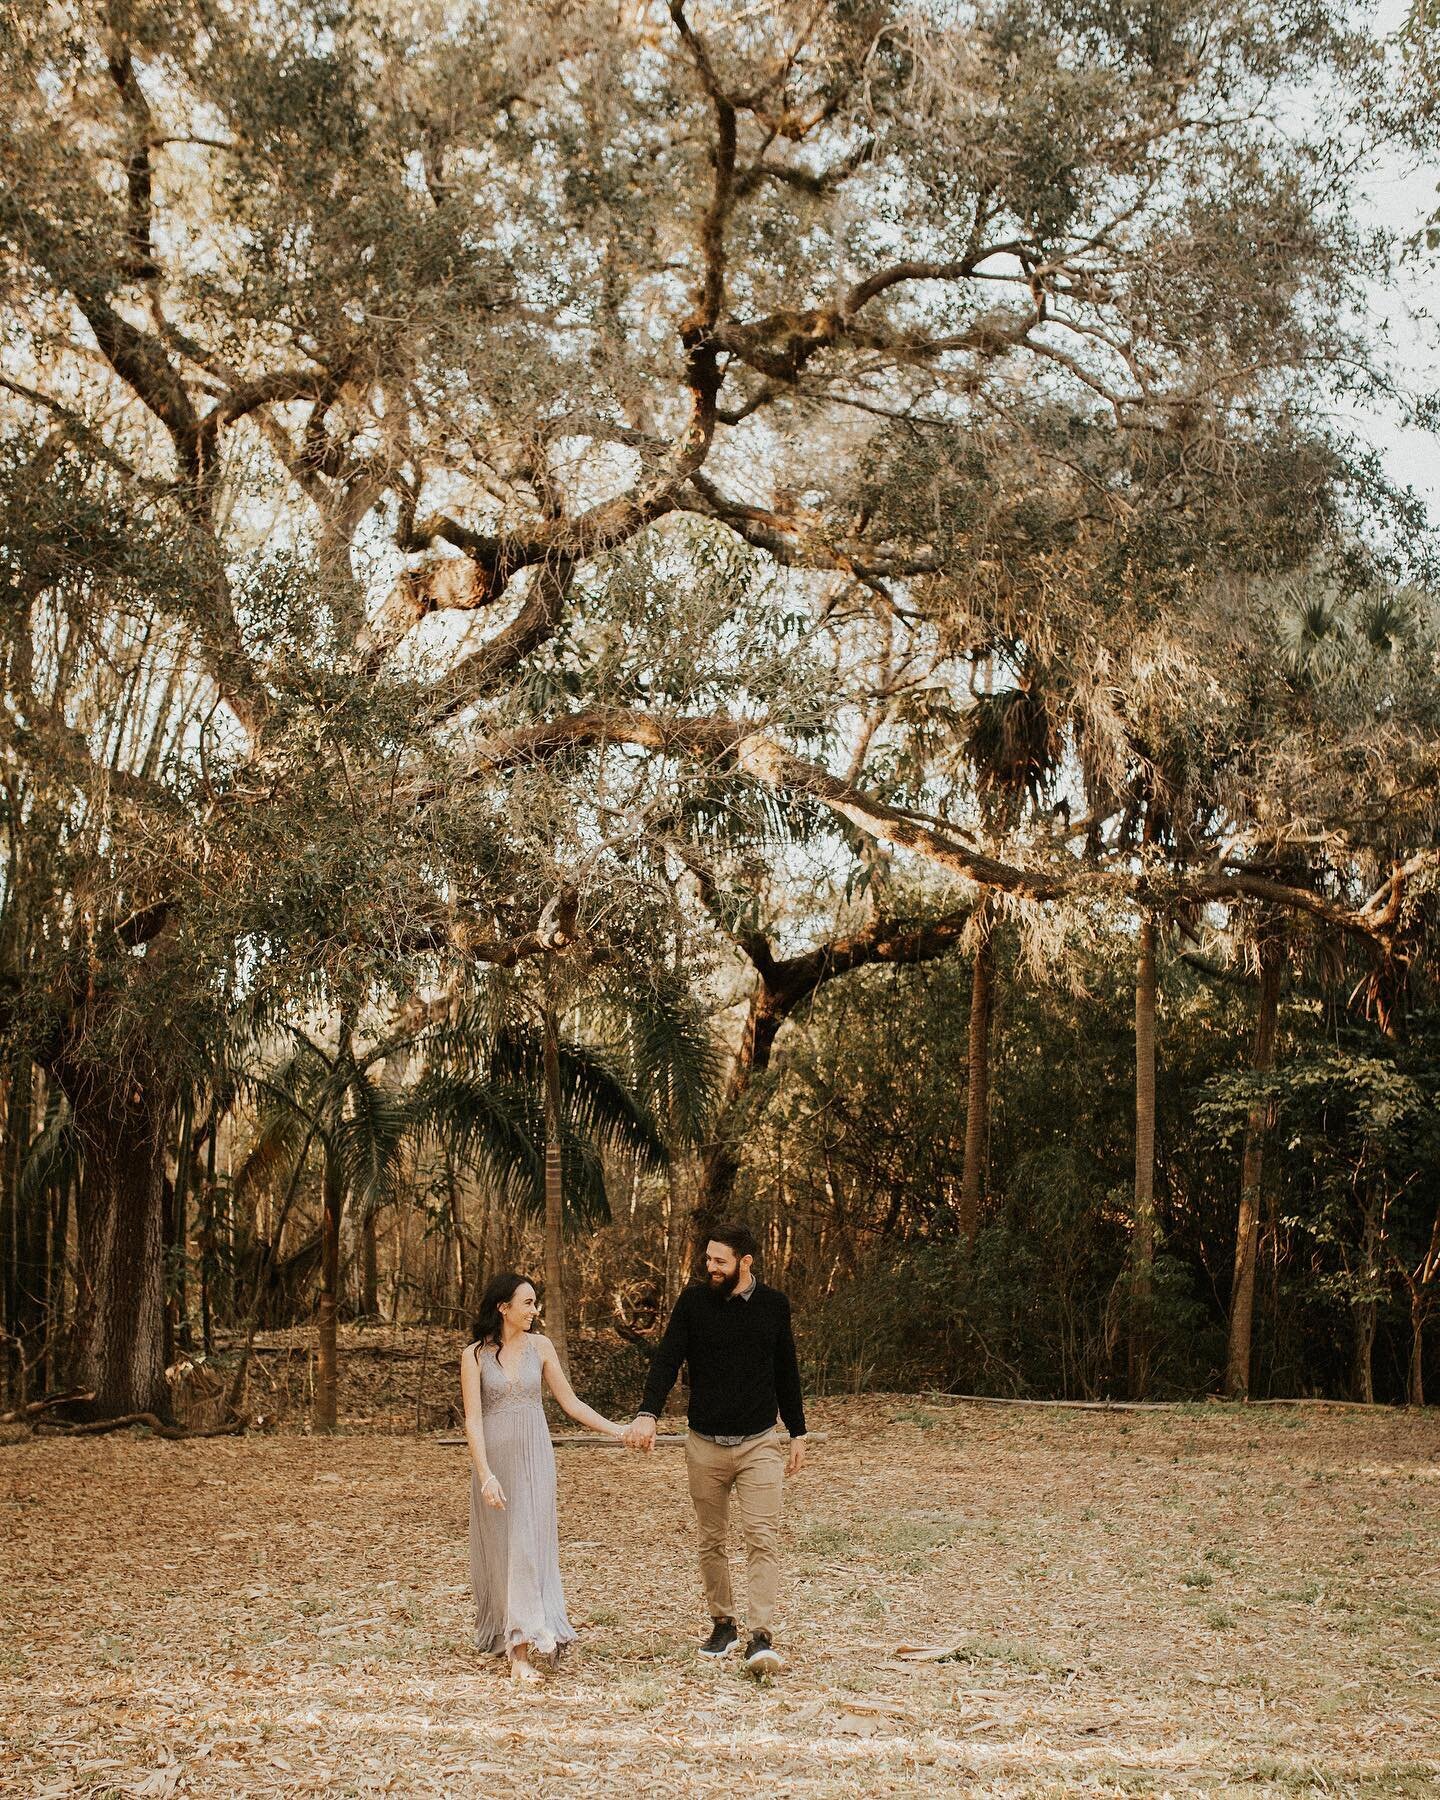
762, 1658
722, 1640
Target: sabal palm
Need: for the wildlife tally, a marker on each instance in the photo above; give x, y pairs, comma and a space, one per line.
472, 1089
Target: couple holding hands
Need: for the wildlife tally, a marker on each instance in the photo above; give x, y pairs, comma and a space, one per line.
734, 1333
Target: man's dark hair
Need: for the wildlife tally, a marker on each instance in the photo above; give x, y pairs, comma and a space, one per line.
739, 1238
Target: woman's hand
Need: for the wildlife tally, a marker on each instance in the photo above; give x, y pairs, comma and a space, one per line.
492, 1493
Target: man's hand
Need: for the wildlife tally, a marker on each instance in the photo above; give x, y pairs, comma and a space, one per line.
639, 1434
795, 1462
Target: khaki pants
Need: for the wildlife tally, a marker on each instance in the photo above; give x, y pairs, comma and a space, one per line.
755, 1474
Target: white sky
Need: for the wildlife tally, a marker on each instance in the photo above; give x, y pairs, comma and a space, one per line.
1402, 197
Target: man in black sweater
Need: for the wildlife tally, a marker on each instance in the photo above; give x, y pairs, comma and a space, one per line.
734, 1332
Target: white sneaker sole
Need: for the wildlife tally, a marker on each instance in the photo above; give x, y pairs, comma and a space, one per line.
765, 1662
719, 1655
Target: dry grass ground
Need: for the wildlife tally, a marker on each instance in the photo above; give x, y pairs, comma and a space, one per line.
1139, 1603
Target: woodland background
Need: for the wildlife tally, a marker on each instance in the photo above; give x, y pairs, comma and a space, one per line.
615, 614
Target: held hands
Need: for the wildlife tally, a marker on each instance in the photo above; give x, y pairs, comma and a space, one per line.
639, 1434
492, 1493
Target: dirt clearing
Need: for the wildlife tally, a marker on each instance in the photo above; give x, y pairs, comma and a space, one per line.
1192, 1601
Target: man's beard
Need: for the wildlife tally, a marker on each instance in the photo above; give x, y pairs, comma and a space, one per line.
723, 1286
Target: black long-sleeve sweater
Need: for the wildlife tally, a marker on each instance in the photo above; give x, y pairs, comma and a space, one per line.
743, 1367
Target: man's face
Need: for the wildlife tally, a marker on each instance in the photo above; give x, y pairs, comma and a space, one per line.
725, 1270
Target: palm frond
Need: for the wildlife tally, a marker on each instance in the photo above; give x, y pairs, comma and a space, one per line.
279, 1131
595, 1098
495, 1127
676, 1067
583, 1178
368, 1139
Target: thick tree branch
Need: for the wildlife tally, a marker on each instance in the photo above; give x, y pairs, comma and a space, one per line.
141, 265
712, 230
732, 744
556, 929
535, 624
746, 749
798, 543
783, 986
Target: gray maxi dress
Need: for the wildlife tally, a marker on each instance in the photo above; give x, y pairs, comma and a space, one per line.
515, 1554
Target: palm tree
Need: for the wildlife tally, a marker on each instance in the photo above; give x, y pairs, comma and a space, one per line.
496, 1103
537, 1109
663, 1042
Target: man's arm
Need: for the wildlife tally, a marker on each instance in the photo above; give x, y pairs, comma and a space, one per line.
665, 1363
787, 1388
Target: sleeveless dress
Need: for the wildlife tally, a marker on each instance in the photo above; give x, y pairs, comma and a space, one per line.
515, 1554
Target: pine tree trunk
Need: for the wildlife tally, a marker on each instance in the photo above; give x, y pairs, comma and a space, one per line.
120, 1306
326, 1362
1247, 1234
554, 1199
977, 1087
1142, 1241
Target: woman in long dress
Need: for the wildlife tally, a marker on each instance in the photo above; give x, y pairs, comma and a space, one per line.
514, 1535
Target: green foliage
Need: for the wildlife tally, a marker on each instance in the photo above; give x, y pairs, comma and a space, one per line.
865, 1113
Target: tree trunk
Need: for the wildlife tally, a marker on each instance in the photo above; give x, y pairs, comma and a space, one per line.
120, 1305
220, 1206
1257, 1125
179, 1248
674, 1237
720, 1158
480, 1264
55, 1293
1142, 1242
32, 1220
326, 1364
1415, 1383
17, 1134
1362, 1373
369, 1269
554, 1198
977, 1085
1417, 1282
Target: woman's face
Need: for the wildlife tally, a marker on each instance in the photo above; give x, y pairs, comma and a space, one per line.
520, 1309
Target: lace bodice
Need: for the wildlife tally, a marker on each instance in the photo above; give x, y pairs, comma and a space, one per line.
501, 1392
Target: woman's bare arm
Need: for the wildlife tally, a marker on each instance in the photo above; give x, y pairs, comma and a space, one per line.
565, 1395
470, 1390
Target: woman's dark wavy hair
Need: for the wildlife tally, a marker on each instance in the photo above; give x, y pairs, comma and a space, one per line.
499, 1293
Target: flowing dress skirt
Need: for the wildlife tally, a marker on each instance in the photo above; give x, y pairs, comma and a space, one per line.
515, 1554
